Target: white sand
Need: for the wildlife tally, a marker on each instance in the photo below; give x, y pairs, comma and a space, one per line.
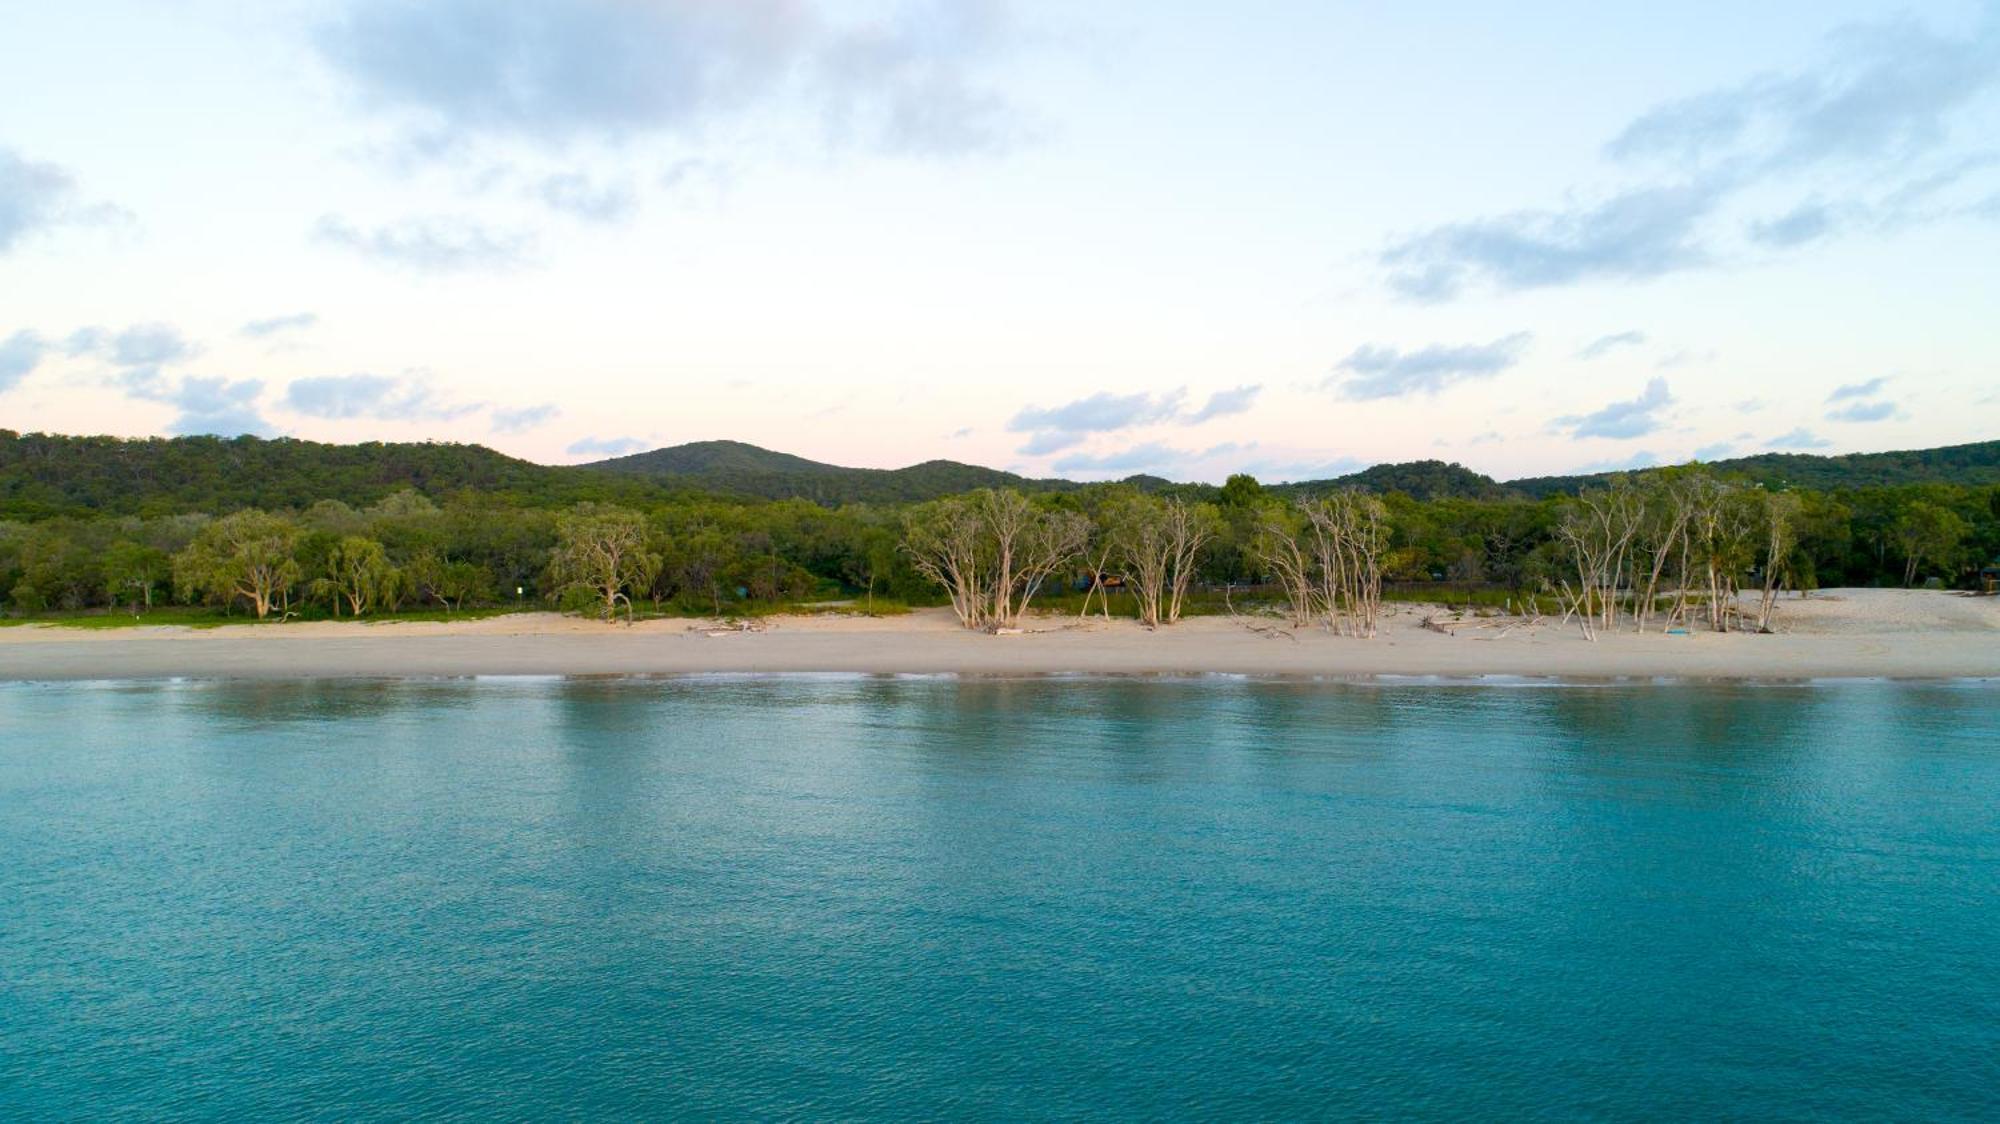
1833, 634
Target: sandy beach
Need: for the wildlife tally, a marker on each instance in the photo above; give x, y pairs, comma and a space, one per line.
1833, 634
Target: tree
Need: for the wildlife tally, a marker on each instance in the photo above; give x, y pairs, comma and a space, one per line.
1783, 512
357, 573
947, 544
449, 582
603, 549
1327, 555
247, 555
133, 570
873, 557
1927, 532
1241, 490
1157, 542
992, 551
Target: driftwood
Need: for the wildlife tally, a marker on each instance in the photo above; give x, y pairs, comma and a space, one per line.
733, 628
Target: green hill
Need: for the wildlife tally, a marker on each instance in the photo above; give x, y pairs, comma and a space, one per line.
734, 468
45, 474
1424, 480
1977, 463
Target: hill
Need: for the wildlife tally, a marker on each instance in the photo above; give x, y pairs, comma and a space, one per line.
45, 474
1424, 480
1977, 463
735, 468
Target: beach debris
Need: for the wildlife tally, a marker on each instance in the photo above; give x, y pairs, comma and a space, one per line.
733, 627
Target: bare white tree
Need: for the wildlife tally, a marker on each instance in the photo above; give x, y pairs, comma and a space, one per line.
1158, 542
992, 551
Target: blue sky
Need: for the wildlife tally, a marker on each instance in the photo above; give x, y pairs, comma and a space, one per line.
1188, 239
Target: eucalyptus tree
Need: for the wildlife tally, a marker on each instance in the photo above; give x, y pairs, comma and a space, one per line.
1158, 542
603, 549
249, 555
992, 551
357, 574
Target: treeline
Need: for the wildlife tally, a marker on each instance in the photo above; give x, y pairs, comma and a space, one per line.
48, 475
1687, 537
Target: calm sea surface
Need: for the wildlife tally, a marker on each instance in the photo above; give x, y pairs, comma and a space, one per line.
814, 897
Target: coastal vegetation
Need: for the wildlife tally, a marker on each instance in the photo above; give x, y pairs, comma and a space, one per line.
235, 530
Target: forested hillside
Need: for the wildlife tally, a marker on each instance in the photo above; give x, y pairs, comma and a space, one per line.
290, 527
44, 475
1978, 463
734, 468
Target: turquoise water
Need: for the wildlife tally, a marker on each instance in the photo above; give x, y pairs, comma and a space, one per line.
802, 897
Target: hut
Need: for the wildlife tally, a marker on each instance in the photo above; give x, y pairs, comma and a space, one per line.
1989, 577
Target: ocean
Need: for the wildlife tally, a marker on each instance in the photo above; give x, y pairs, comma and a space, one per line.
902, 898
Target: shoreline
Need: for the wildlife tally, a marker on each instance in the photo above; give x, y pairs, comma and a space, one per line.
1854, 634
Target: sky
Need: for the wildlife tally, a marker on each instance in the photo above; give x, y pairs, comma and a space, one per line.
1088, 240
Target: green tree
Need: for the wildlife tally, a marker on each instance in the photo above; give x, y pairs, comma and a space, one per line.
357, 573
1927, 532
248, 555
603, 549
133, 570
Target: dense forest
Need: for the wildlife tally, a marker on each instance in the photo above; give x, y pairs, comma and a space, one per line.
44, 475
296, 528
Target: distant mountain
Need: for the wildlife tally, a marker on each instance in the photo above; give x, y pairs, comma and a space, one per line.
1978, 463
1425, 480
735, 468
43, 475
48, 474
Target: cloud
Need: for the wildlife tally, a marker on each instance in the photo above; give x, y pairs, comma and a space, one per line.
35, 197
150, 345
1051, 441
1858, 389
1102, 412
578, 196
607, 446
430, 245
1633, 463
1622, 420
1800, 438
1151, 454
1715, 452
1806, 223
905, 82
278, 325
216, 406
1883, 91
525, 418
341, 397
1864, 412
1223, 403
138, 351
1605, 345
1882, 98
20, 354
1386, 372
206, 405
556, 73
1635, 235
957, 434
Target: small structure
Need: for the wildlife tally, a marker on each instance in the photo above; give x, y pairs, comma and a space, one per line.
1989, 577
